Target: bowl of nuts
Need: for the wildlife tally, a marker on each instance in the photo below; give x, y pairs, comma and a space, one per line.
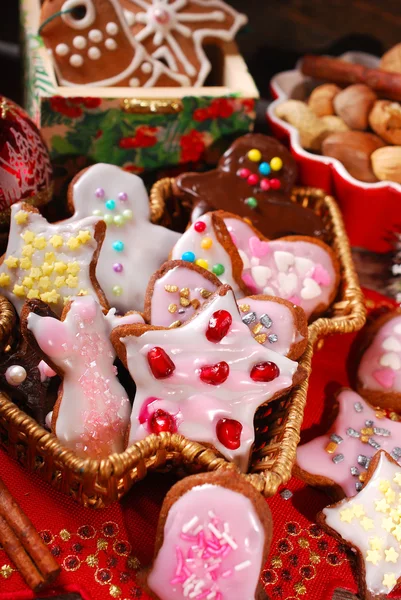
342, 120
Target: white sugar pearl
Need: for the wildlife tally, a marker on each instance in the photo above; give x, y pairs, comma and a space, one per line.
129, 17
134, 82
76, 60
110, 44
146, 67
15, 375
62, 49
79, 42
94, 53
112, 28
95, 35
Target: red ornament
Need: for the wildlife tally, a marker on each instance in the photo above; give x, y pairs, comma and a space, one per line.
265, 185
219, 324
244, 173
265, 371
200, 226
25, 169
162, 421
228, 433
215, 374
275, 184
160, 363
253, 179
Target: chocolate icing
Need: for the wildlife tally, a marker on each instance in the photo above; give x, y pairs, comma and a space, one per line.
222, 188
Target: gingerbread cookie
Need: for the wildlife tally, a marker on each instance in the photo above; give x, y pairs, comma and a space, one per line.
176, 31
379, 370
92, 412
338, 461
204, 379
253, 179
203, 547
51, 262
92, 45
370, 524
180, 288
133, 248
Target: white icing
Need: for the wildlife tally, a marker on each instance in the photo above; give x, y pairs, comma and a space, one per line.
146, 67
392, 344
112, 28
79, 42
129, 17
94, 53
392, 360
134, 82
76, 60
62, 49
311, 289
95, 35
261, 275
284, 260
69, 19
303, 265
111, 44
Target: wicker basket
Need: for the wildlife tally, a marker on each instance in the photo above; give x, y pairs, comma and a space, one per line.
97, 484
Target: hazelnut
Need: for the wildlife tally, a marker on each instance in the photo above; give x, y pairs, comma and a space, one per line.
386, 163
321, 99
354, 104
353, 149
391, 60
385, 120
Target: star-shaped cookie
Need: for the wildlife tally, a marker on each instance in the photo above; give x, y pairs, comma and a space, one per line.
338, 460
204, 379
50, 262
133, 248
370, 524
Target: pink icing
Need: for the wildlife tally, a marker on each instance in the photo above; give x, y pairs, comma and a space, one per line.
45, 371
208, 551
257, 247
321, 276
313, 458
380, 367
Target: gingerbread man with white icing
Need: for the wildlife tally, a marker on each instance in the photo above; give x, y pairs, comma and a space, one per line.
91, 44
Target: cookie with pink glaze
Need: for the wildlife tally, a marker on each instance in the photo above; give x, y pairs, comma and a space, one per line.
204, 379
369, 524
338, 460
92, 411
213, 538
379, 369
180, 288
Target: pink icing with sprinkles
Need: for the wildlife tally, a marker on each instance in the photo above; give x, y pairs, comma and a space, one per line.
321, 276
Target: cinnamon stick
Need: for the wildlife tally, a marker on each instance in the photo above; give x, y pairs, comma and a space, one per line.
386, 83
24, 542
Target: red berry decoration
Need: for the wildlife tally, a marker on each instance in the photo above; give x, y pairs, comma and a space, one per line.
253, 179
228, 433
215, 374
265, 185
265, 371
275, 184
200, 226
244, 173
219, 325
162, 421
160, 363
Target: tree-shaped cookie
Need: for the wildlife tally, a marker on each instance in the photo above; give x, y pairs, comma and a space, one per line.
134, 248
175, 31
204, 379
50, 262
92, 412
91, 44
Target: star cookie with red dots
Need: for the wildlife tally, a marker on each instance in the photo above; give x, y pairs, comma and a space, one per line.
204, 379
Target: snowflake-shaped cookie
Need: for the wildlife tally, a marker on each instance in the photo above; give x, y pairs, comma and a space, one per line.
204, 379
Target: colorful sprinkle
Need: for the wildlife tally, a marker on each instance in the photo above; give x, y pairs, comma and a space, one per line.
188, 257
110, 204
265, 185
244, 173
218, 269
99, 193
253, 179
275, 184
206, 243
119, 220
117, 267
108, 219
118, 246
200, 226
264, 168
276, 163
251, 202
123, 196
117, 290
202, 263
127, 214
254, 155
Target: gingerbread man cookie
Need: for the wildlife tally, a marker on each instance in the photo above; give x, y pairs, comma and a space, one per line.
92, 45
203, 548
180, 288
379, 370
204, 379
175, 31
51, 262
253, 179
370, 523
92, 411
133, 248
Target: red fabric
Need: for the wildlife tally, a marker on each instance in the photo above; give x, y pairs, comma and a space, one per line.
99, 550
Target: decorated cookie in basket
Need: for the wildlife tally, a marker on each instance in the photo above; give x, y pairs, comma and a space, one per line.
91, 44
204, 379
338, 461
133, 248
180, 288
370, 524
253, 179
92, 412
203, 549
379, 370
50, 262
176, 31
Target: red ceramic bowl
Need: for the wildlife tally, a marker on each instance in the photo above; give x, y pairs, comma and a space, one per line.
372, 211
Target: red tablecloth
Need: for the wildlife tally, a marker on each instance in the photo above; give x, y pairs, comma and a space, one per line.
101, 551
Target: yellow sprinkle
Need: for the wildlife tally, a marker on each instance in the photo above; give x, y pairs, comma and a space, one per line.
257, 328
66, 300
347, 515
56, 241
388, 524
40, 243
27, 282
60, 267
50, 257
36, 272
44, 283
28, 236
205, 293
172, 308
202, 263
73, 268
19, 291
195, 303
206, 243
375, 543
174, 325
390, 495
33, 294
359, 511
71, 281
73, 243
184, 301
372, 556
47, 269
11, 262
244, 308
367, 523
184, 292
84, 236
397, 533
59, 281
27, 250
395, 515
4, 280
25, 264
83, 293
53, 297
21, 217
261, 338
276, 163
391, 555
254, 155
384, 484
331, 447
397, 479
44, 297
389, 580
171, 289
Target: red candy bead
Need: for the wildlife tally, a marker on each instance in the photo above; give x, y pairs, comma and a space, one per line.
275, 184
265, 371
219, 324
215, 374
229, 433
200, 226
160, 363
162, 421
244, 173
253, 179
265, 185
